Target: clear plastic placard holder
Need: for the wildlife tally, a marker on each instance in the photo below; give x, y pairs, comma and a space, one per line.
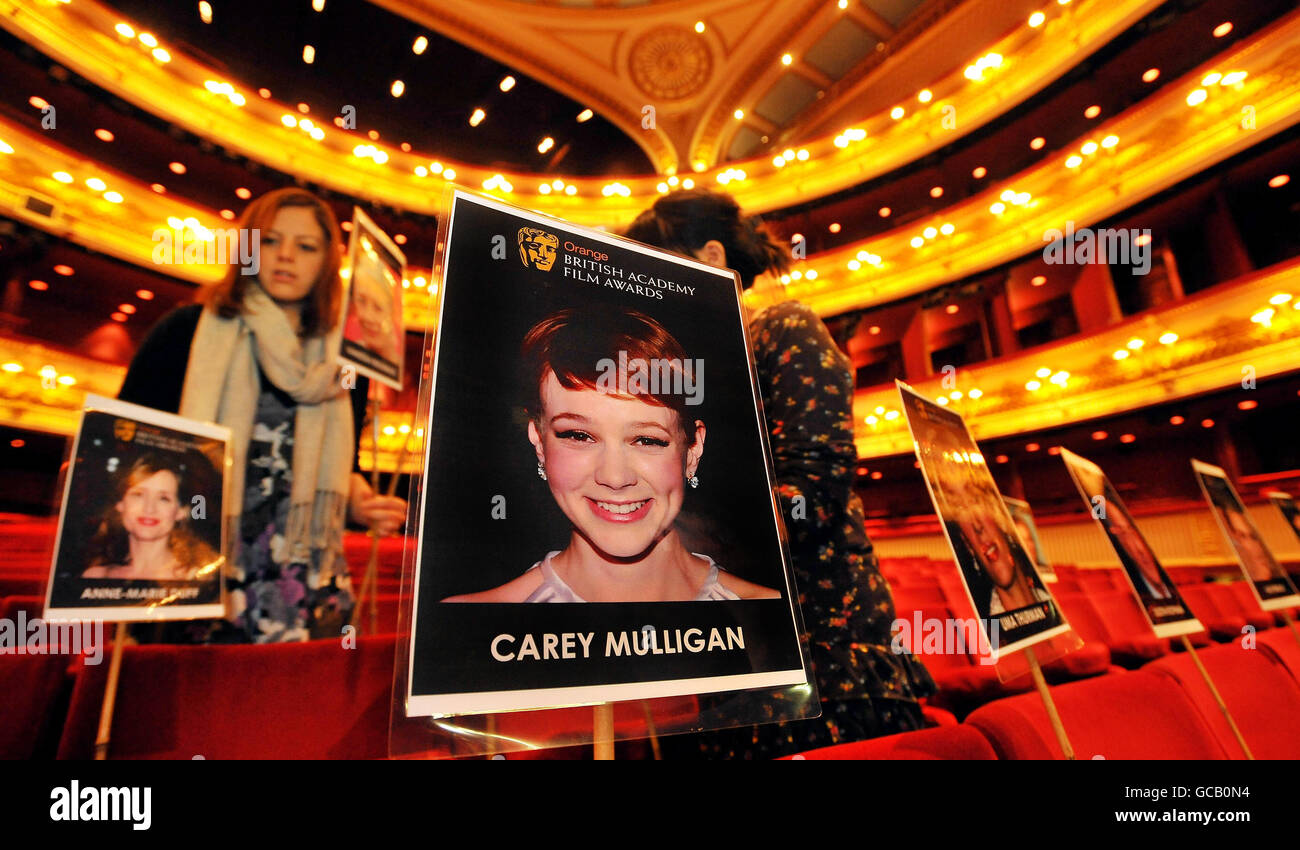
609, 679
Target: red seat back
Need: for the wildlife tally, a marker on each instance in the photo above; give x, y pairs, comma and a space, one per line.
1137, 715
293, 701
945, 742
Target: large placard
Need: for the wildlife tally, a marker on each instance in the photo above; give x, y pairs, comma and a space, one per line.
141, 531
1157, 595
1014, 607
594, 441
1273, 587
1290, 512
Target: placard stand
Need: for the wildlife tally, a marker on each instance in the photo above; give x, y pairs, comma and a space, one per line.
1048, 703
110, 694
602, 732
370, 580
1187, 645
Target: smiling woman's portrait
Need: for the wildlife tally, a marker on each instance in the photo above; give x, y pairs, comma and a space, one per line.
617, 452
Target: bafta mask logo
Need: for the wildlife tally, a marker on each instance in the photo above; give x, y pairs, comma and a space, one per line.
537, 248
124, 430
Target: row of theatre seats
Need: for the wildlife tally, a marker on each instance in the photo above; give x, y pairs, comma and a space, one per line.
1124, 694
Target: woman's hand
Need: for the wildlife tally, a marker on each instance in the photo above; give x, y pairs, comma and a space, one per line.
382, 514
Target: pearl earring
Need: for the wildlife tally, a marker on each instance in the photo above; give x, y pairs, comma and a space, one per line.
541, 471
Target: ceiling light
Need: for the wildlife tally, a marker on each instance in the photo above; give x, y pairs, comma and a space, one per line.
1120, 353
739, 114
507, 83
1197, 97
545, 144
979, 172
318, 5
1031, 447
1150, 75
936, 191
144, 294
1126, 438
1073, 161
1033, 386
1176, 420
1211, 78
1092, 111
64, 270
585, 115
65, 177
1248, 404
917, 241
925, 96
104, 135
1232, 78
1088, 149
1099, 435
1110, 141
162, 55
177, 167
1044, 372
113, 197
951, 308
834, 227
699, 26
1037, 143
929, 233
1037, 280
1168, 338
96, 184
896, 113
420, 45
885, 212
148, 40
1207, 423
1223, 29
997, 208
787, 59
1036, 19
38, 285
125, 30
118, 317
476, 117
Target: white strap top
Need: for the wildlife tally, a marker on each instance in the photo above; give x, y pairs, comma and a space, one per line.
553, 588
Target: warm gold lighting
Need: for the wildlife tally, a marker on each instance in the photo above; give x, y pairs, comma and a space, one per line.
1168, 338
125, 30
148, 40
421, 44
699, 26
1033, 386
161, 55
1120, 353
1223, 29
1092, 111
397, 88
545, 144
979, 172
1110, 142
62, 176
176, 167
1279, 181
896, 113
1150, 75
1037, 143
936, 191
476, 117
787, 59
1232, 78
1073, 161
507, 83
1197, 97
925, 96
885, 212
1036, 19
739, 114
113, 197
585, 115
96, 184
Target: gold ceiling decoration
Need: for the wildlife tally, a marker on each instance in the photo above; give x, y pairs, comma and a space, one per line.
586, 57
670, 63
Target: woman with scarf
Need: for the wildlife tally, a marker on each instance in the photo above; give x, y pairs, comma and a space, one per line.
254, 356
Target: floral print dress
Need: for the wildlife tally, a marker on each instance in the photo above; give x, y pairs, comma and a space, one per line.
273, 596
866, 689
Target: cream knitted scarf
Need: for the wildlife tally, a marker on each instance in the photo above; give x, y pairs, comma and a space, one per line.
222, 385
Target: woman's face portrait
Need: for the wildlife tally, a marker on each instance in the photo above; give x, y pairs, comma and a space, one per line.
1130, 540
1258, 563
372, 305
616, 465
151, 507
292, 254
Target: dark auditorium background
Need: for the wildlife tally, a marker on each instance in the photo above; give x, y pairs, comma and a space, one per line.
917, 154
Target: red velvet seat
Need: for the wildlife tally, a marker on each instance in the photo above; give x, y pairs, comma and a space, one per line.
944, 742
1113, 618
1261, 695
34, 694
1284, 648
311, 700
1132, 715
1249, 605
1223, 626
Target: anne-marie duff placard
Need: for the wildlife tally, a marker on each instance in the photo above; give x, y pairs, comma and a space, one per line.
1158, 597
140, 530
1273, 587
598, 520
1014, 608
373, 342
